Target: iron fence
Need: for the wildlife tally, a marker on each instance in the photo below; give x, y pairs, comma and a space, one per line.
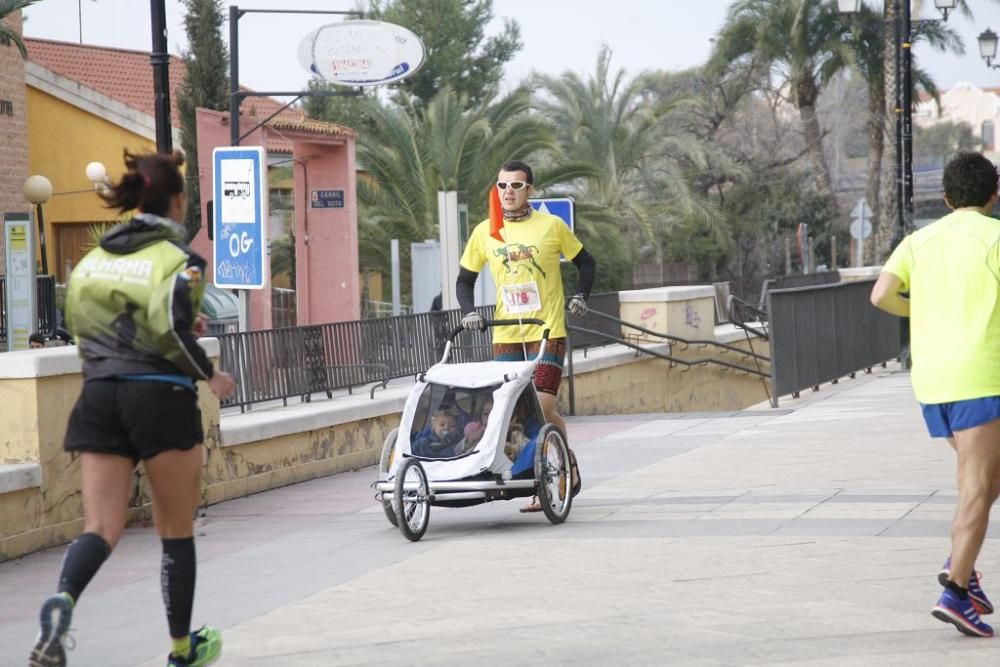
278, 364
820, 334
283, 363
592, 330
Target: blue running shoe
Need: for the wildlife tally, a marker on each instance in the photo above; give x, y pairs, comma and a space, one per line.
952, 609
975, 586
206, 647
54, 619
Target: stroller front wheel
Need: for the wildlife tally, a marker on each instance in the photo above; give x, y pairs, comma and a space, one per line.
384, 465
552, 474
411, 500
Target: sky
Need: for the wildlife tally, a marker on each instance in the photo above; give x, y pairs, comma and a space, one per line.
558, 35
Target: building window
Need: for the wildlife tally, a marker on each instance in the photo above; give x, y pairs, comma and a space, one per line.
6, 108
987, 135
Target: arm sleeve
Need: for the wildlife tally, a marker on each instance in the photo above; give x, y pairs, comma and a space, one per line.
587, 267
465, 290
187, 354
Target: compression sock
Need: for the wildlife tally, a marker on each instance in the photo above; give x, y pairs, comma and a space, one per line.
181, 647
82, 561
177, 573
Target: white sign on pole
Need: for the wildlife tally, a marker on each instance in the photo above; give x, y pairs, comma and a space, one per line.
19, 236
361, 53
861, 215
861, 227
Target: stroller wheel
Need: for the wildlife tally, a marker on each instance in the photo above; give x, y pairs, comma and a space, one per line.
384, 464
552, 473
411, 500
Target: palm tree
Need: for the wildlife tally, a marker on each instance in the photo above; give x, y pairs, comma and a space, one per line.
868, 40
410, 154
802, 40
644, 167
8, 35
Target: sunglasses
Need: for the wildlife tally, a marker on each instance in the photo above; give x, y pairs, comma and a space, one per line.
513, 185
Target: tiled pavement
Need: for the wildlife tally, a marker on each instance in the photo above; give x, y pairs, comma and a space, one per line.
809, 535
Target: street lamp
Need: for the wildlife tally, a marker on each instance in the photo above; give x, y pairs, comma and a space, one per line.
37, 190
945, 6
988, 47
97, 174
904, 102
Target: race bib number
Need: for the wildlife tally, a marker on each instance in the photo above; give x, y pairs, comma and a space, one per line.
521, 298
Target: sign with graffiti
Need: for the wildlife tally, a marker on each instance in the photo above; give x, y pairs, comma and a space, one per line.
361, 53
239, 253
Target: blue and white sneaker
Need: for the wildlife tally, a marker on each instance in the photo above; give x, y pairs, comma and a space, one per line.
57, 611
952, 609
975, 586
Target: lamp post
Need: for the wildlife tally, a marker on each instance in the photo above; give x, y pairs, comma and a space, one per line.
37, 190
988, 47
904, 104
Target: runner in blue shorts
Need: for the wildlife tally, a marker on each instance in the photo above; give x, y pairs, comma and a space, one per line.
951, 270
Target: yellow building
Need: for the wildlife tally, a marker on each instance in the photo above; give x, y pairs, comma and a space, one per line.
86, 104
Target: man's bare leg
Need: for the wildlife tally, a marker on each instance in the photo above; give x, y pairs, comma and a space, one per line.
552, 415
978, 451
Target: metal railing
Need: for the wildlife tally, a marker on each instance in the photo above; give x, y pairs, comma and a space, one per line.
606, 303
283, 363
278, 364
617, 338
820, 334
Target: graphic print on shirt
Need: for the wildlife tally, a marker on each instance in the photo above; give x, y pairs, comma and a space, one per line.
514, 256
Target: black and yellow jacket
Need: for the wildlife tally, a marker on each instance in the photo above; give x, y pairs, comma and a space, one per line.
132, 302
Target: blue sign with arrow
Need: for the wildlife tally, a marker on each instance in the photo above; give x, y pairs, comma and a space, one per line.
561, 207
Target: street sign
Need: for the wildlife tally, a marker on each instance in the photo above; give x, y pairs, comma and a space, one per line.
361, 53
860, 229
326, 199
240, 187
861, 226
19, 237
561, 207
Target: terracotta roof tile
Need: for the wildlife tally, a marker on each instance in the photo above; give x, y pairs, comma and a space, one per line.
310, 126
127, 76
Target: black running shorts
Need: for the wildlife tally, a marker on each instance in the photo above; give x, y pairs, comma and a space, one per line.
137, 419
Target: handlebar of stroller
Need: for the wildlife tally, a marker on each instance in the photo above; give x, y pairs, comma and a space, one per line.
502, 323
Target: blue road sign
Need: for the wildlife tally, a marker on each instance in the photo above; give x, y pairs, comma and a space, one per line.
239, 184
561, 207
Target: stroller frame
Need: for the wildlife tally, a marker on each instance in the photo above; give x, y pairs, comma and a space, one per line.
409, 484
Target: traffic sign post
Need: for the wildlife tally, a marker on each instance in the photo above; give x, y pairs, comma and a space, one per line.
240, 193
861, 228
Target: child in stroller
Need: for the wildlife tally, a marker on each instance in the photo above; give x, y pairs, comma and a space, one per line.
443, 437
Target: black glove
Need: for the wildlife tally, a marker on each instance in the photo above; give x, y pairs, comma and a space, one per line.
473, 321
577, 305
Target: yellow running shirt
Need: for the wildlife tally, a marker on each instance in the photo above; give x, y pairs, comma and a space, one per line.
951, 269
525, 268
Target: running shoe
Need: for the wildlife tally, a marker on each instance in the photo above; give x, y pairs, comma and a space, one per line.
206, 647
975, 586
952, 609
57, 611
